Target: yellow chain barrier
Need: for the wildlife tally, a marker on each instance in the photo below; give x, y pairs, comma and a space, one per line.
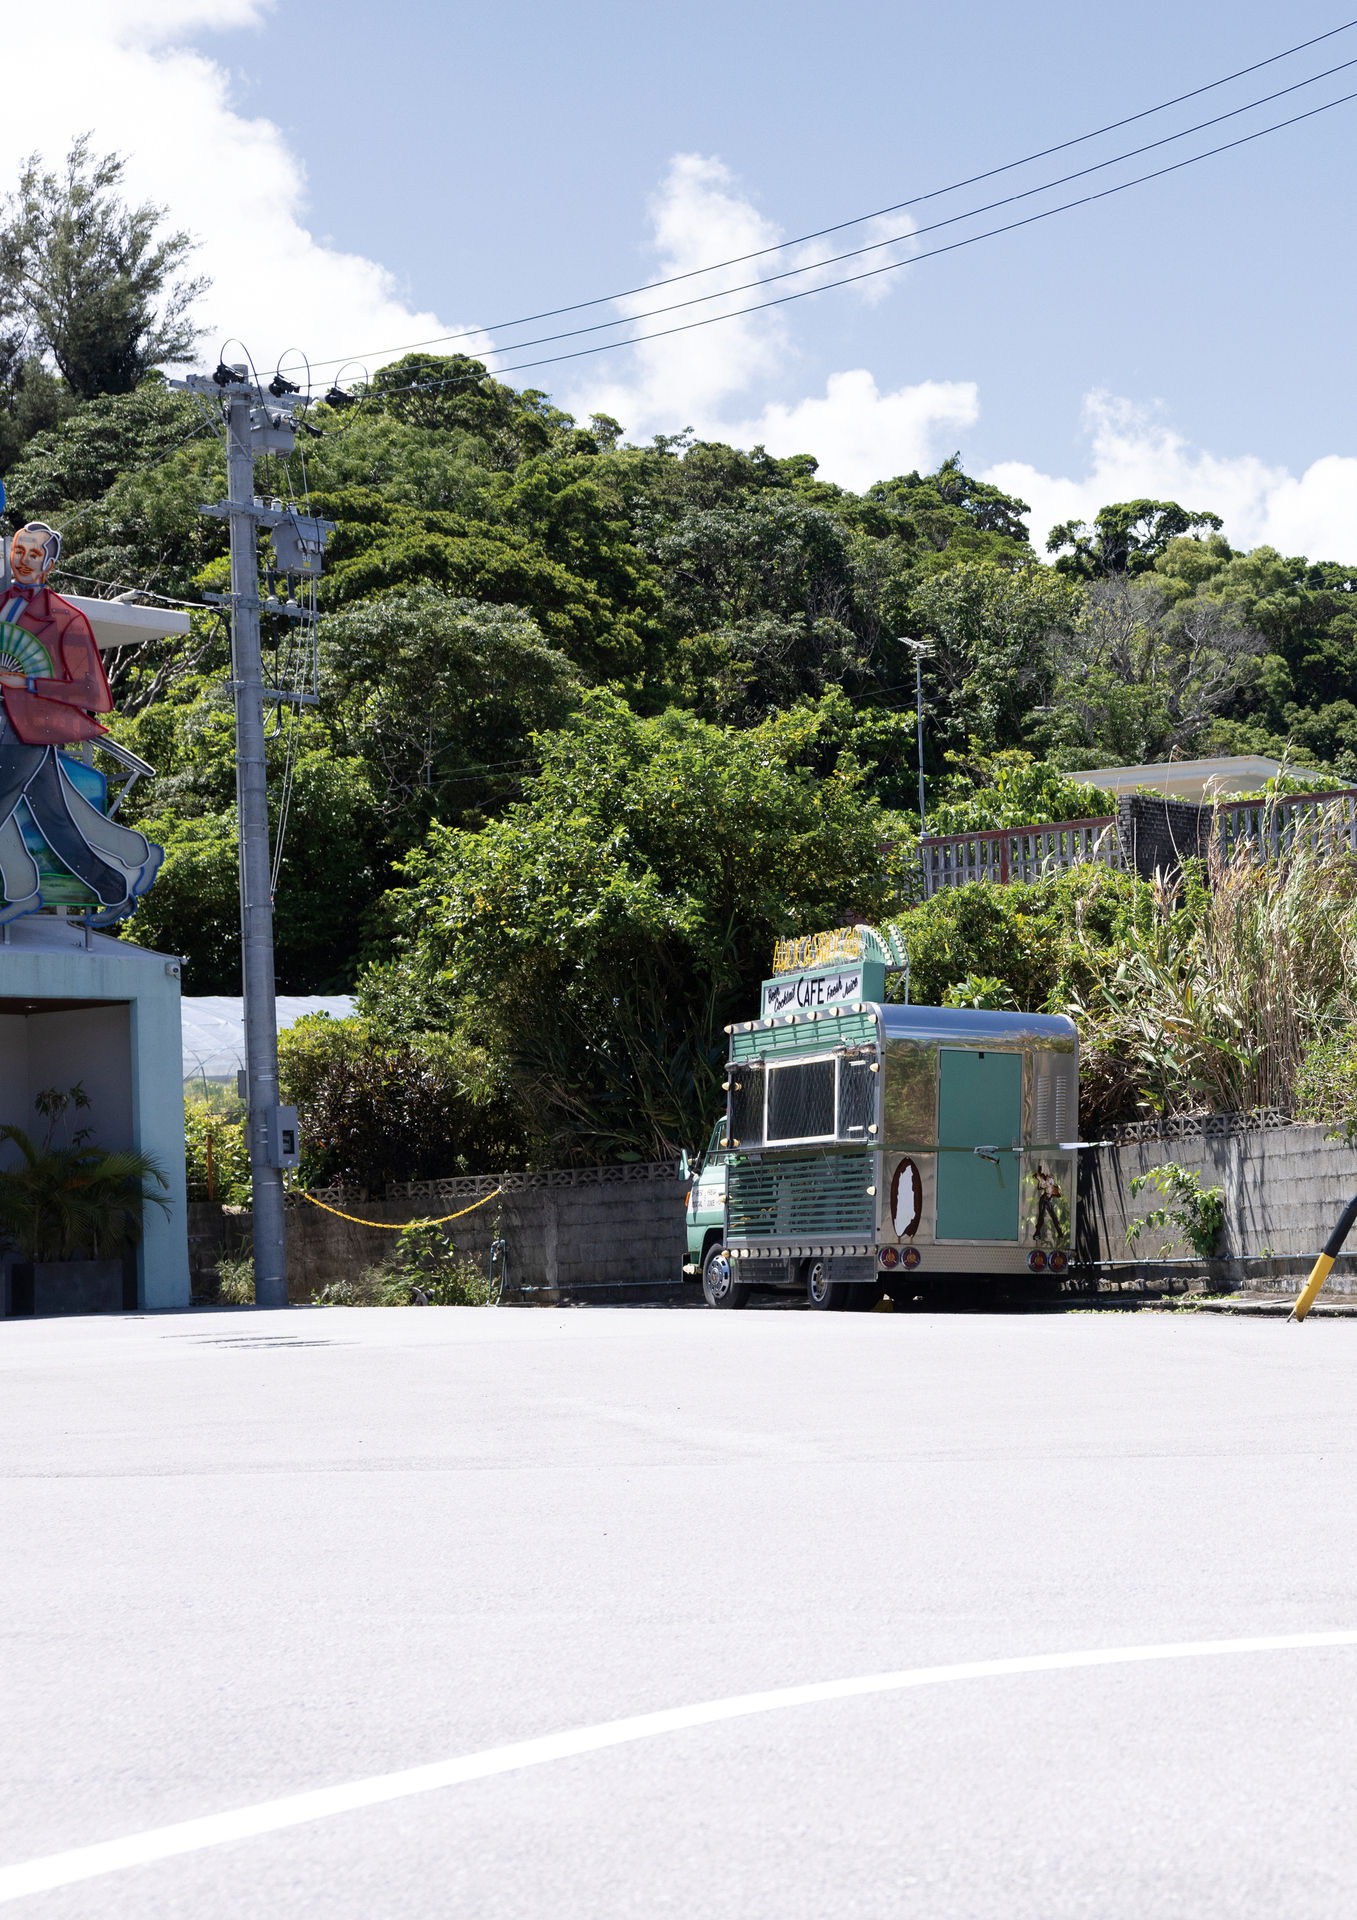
397, 1226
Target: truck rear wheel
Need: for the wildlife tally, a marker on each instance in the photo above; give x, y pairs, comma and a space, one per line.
719, 1285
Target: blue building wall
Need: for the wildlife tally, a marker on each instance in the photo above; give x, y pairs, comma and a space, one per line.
78, 1005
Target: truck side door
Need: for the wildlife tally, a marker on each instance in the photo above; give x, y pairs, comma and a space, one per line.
707, 1200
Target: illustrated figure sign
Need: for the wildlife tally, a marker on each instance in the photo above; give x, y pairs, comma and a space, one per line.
57, 845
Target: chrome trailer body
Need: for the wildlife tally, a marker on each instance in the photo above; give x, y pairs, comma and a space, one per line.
894, 1140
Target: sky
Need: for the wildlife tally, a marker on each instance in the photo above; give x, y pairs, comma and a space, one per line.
364, 177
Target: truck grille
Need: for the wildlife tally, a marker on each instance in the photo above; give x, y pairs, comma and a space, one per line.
825, 1194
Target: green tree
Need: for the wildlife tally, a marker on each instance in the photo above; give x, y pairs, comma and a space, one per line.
333, 864
947, 511
1125, 538
97, 282
438, 696
994, 631
1140, 676
596, 938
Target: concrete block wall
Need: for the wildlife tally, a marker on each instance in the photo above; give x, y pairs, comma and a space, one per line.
1285, 1187
599, 1228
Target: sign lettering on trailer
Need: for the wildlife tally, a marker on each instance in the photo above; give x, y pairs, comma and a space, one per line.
806, 990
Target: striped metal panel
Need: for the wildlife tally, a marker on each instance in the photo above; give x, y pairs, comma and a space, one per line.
805, 1036
823, 1194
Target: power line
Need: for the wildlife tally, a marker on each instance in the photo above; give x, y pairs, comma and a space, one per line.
870, 273
120, 586
739, 259
879, 246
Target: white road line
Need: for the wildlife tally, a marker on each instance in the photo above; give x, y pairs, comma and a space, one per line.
218, 1829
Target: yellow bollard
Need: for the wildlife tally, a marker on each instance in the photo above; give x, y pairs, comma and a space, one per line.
1319, 1273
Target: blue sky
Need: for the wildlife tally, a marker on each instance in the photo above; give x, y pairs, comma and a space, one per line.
365, 175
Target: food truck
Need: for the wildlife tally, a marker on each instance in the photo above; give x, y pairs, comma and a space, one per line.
868, 1143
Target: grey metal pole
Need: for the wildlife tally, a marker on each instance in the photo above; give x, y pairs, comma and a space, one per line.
919, 721
256, 899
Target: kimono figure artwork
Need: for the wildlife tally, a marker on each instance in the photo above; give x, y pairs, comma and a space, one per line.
57, 846
1050, 1192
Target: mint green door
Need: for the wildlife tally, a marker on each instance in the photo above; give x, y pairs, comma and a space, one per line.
979, 1105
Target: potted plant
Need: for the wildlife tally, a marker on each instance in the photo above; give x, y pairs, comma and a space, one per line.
72, 1212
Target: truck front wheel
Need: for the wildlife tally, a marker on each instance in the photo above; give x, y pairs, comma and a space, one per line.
823, 1294
719, 1285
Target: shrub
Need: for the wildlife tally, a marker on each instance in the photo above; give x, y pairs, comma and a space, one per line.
235, 1280
1198, 1215
980, 990
1043, 942
375, 1107
224, 1125
1011, 789
425, 1269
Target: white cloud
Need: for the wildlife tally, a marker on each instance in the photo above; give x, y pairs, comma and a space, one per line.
121, 69
708, 378
687, 379
859, 434
1136, 454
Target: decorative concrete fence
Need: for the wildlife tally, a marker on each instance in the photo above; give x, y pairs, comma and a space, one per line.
579, 1231
1285, 1186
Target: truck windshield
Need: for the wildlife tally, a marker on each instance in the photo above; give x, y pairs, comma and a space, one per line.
779, 1103
801, 1101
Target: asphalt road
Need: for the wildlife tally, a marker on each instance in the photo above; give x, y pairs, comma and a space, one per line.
242, 1556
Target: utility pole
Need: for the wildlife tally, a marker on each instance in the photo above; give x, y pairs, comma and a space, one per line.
256, 898
258, 421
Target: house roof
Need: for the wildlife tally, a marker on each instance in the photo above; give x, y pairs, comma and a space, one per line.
1197, 779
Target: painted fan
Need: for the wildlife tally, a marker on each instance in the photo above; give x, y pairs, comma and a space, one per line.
21, 653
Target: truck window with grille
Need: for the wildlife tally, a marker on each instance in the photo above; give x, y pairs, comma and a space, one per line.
857, 1094
801, 1101
746, 1104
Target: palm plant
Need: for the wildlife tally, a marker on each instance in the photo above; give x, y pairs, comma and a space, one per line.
76, 1201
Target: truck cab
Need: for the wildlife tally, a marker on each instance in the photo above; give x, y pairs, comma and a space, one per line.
706, 1214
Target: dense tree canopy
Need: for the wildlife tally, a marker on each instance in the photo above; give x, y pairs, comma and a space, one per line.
599, 721
597, 937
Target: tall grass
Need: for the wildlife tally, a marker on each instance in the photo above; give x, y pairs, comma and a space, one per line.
1215, 999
